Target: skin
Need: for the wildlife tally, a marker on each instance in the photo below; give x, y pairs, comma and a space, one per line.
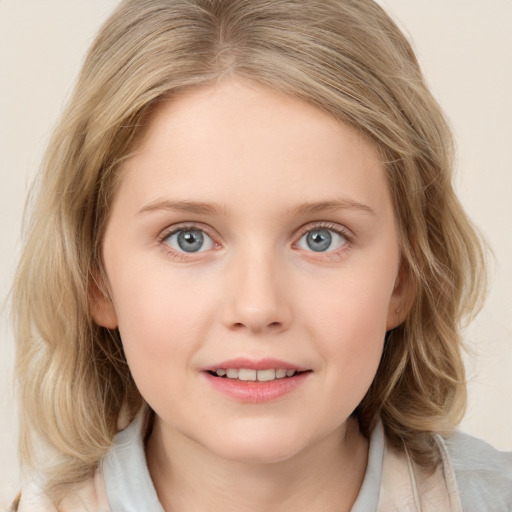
256, 290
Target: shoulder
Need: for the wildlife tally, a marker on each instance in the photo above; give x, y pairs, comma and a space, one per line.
32, 498
483, 474
88, 497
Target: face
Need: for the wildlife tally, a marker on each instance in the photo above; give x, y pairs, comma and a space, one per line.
253, 269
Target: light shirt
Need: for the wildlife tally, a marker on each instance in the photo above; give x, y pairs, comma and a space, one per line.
471, 477
129, 486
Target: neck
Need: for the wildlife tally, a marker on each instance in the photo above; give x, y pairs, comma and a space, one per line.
326, 476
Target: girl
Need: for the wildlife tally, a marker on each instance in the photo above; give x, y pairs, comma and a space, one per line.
246, 272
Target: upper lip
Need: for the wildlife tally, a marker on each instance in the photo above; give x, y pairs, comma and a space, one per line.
255, 364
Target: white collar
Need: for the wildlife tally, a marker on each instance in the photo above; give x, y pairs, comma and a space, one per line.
129, 486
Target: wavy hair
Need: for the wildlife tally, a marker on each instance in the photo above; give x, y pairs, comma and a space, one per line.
346, 57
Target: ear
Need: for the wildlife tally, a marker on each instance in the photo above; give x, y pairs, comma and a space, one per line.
100, 303
402, 298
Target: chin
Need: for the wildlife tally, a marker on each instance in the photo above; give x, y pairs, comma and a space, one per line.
258, 447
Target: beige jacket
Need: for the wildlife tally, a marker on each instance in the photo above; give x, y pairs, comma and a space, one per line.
405, 487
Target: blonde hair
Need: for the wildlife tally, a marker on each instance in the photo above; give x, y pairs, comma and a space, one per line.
346, 57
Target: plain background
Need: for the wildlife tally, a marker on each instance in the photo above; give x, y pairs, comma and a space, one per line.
465, 48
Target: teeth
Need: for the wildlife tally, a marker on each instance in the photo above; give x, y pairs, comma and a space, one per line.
232, 373
247, 374
265, 375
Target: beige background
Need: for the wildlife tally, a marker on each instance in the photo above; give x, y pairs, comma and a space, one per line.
465, 47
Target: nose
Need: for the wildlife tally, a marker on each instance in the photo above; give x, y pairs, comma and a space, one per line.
257, 295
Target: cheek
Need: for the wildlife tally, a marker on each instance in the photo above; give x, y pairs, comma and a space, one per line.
350, 318
351, 305
161, 322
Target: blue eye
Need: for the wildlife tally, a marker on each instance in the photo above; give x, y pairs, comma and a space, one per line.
321, 240
189, 240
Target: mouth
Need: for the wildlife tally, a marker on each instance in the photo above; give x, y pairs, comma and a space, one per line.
256, 381
252, 375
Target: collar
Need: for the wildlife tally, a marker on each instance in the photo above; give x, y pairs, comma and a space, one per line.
129, 486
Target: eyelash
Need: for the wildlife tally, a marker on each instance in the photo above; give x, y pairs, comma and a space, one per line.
335, 228
176, 255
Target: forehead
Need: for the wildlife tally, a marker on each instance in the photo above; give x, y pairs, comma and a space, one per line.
236, 142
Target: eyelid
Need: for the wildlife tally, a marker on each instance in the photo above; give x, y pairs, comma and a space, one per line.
185, 226
332, 226
332, 255
184, 256
311, 226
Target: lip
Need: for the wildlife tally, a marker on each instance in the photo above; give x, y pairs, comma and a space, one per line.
252, 364
255, 391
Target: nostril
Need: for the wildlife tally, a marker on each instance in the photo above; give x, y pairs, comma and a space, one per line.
272, 326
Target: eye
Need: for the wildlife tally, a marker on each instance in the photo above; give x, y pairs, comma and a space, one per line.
322, 240
188, 240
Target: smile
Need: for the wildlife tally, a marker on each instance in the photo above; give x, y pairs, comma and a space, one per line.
256, 381
252, 375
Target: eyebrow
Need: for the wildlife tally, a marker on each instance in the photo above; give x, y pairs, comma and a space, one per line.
196, 207
201, 208
330, 206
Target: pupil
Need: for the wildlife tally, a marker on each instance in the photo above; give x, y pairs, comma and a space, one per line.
190, 241
319, 240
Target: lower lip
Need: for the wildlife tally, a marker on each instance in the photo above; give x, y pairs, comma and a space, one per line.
255, 391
